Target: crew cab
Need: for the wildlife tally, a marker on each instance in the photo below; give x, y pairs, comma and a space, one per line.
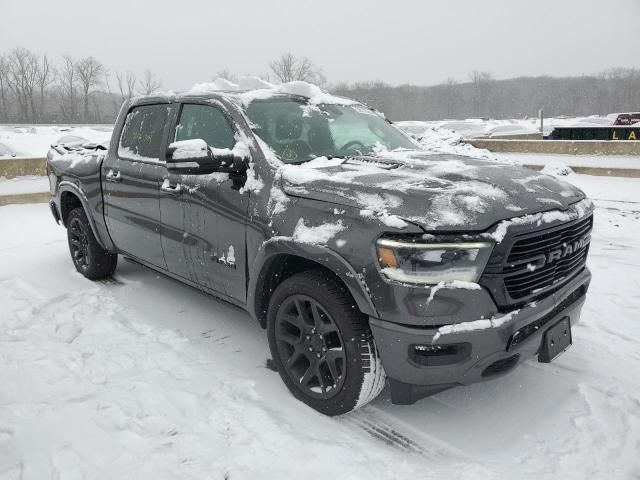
368, 260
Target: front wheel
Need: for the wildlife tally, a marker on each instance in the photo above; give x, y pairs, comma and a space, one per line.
89, 258
322, 345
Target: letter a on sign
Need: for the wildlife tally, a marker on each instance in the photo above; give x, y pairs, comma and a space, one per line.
632, 136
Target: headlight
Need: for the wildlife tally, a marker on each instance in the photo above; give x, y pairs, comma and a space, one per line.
432, 263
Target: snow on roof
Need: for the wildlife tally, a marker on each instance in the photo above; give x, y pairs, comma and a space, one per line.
254, 88
218, 85
303, 89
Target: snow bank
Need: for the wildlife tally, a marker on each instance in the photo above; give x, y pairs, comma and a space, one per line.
442, 140
24, 184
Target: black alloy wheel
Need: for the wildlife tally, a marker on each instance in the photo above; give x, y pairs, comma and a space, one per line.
321, 344
89, 257
79, 244
310, 347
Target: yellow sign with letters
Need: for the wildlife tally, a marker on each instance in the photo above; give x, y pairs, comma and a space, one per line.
631, 135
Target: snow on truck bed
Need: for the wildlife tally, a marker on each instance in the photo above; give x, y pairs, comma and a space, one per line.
33, 141
140, 377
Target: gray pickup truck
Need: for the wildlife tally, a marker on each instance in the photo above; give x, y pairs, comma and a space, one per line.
368, 260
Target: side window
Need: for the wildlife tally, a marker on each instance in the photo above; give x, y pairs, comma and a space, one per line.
142, 133
207, 123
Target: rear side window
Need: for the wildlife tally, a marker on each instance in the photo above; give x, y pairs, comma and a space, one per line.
142, 133
206, 123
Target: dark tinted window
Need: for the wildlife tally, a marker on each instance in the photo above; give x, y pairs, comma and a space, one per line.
142, 132
207, 123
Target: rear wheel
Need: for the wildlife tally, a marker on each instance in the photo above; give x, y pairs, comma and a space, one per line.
89, 258
322, 345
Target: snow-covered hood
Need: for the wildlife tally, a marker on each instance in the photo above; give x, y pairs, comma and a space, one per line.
436, 192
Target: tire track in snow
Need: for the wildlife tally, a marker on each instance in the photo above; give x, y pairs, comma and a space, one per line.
399, 435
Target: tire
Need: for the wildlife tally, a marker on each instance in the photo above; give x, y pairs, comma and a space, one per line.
89, 258
322, 345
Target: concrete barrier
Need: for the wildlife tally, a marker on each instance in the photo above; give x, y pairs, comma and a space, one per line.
18, 167
517, 136
39, 197
561, 147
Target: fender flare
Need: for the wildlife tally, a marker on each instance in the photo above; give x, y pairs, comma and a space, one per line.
67, 186
319, 254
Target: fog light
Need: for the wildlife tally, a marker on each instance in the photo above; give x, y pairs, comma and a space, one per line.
428, 355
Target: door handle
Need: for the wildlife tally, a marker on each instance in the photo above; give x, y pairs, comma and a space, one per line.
166, 187
113, 176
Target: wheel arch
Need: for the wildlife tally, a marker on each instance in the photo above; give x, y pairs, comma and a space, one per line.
69, 197
279, 259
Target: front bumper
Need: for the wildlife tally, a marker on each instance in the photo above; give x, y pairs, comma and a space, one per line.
492, 352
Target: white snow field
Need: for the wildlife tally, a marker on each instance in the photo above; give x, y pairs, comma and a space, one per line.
140, 377
33, 141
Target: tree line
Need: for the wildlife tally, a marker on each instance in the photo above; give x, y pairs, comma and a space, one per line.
35, 89
616, 90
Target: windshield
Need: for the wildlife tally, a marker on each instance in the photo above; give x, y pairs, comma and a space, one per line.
298, 131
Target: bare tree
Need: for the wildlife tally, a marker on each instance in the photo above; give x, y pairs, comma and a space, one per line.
126, 85
150, 83
22, 79
90, 72
68, 88
4, 88
482, 85
45, 77
289, 68
126, 88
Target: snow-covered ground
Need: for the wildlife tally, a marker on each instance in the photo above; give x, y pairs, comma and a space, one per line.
34, 141
479, 127
142, 377
25, 184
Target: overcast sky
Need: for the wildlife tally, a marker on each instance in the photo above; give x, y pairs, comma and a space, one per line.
395, 41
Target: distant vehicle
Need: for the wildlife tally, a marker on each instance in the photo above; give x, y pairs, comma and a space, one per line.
6, 151
627, 118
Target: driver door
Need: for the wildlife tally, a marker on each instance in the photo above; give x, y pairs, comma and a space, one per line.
204, 217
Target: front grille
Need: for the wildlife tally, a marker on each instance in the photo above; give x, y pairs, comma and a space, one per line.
523, 278
530, 265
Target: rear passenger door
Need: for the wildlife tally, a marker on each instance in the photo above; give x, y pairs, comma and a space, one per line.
131, 184
204, 223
